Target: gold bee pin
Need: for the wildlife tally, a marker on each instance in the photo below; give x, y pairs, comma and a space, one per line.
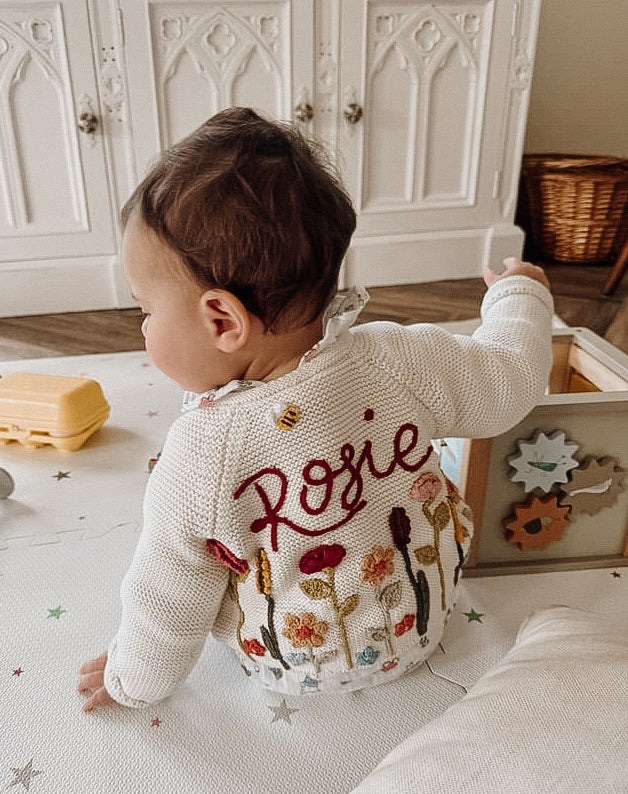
285, 416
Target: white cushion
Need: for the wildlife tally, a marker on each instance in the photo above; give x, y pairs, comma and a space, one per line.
552, 716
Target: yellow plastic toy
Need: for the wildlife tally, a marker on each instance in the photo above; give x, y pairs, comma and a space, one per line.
50, 409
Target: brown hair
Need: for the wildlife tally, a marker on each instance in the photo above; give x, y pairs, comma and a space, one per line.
251, 206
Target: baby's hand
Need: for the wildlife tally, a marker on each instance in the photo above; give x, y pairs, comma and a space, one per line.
516, 268
92, 683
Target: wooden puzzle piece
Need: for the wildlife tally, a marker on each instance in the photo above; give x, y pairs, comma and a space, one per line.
543, 461
537, 522
594, 485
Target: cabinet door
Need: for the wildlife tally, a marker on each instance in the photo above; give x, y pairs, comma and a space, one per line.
432, 81
54, 199
187, 60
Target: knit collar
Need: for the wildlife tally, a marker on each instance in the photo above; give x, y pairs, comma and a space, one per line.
340, 315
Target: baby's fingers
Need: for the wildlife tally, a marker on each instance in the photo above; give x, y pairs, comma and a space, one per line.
99, 699
90, 681
94, 664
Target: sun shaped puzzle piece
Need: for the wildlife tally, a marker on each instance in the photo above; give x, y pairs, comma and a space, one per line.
543, 461
595, 484
536, 523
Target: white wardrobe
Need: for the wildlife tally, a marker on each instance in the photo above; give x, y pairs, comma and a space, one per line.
424, 105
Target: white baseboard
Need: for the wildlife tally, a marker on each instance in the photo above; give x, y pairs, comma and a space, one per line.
429, 256
52, 286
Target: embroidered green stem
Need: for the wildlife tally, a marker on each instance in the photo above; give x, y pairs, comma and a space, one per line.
264, 586
269, 635
421, 593
338, 611
438, 522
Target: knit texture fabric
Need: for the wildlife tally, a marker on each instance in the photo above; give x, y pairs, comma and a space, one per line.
305, 522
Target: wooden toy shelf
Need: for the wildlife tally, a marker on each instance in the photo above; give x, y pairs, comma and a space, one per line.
586, 407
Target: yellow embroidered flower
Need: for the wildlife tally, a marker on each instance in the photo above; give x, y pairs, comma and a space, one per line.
304, 630
377, 565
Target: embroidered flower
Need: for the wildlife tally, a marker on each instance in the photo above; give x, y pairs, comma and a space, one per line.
324, 556
425, 487
304, 631
404, 625
226, 557
390, 665
367, 656
377, 565
399, 524
253, 647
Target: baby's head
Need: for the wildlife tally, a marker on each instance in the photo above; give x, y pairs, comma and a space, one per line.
251, 207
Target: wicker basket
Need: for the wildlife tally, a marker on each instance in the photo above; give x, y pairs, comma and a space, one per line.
575, 207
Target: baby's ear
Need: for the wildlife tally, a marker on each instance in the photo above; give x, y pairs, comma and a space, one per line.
226, 319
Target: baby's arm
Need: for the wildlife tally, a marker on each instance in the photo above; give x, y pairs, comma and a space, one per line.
482, 385
170, 595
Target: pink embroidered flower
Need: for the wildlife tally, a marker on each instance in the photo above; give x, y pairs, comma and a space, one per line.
404, 625
425, 487
324, 556
253, 647
377, 565
226, 557
304, 630
388, 666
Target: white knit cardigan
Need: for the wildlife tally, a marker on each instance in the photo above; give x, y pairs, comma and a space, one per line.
305, 521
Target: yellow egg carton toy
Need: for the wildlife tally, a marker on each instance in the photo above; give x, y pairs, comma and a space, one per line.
50, 409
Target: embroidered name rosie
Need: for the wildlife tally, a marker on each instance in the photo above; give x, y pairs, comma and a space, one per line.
339, 483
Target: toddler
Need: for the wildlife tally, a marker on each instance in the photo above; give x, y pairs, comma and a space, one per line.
297, 512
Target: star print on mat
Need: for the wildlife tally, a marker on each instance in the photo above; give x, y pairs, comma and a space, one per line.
62, 475
283, 712
473, 616
18, 672
156, 722
150, 414
56, 612
24, 775
615, 574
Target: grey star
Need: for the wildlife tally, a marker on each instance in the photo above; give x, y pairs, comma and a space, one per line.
283, 712
150, 414
24, 775
62, 475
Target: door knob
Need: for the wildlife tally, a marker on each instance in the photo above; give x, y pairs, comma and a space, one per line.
87, 123
304, 112
352, 113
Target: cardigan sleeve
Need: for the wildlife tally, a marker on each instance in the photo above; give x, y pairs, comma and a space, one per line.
174, 587
482, 385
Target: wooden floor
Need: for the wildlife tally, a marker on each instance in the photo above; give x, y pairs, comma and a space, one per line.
576, 289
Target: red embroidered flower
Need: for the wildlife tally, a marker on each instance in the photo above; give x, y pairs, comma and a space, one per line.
253, 647
226, 557
325, 556
425, 487
388, 666
404, 625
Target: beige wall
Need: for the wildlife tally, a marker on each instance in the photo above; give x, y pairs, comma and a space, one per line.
579, 97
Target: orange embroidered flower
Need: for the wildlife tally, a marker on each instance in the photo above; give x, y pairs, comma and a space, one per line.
304, 630
377, 565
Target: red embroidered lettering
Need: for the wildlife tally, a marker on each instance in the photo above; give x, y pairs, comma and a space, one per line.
319, 479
